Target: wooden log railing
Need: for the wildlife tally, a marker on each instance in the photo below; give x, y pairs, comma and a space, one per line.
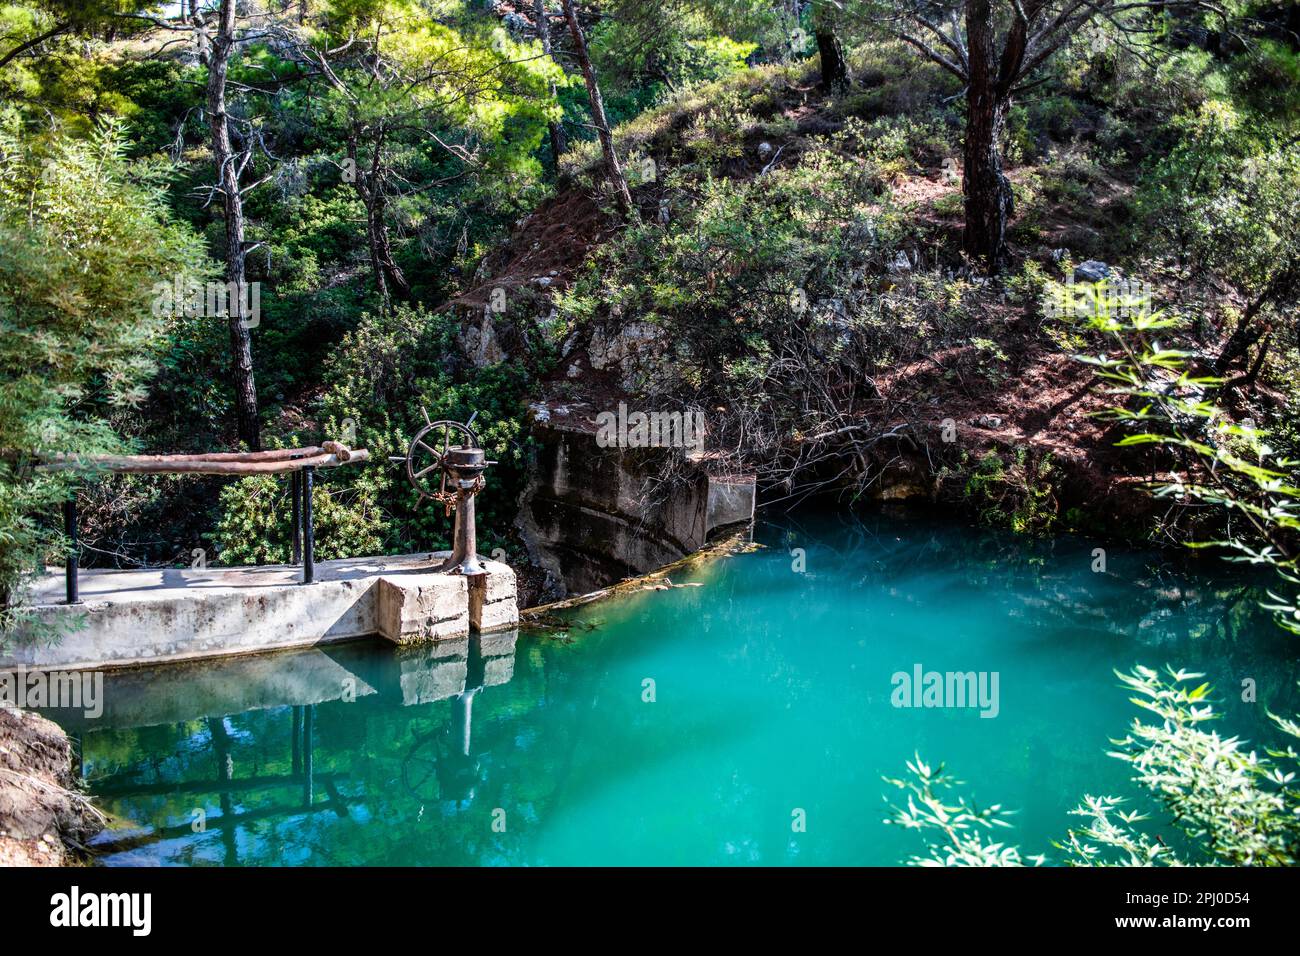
279, 461
300, 463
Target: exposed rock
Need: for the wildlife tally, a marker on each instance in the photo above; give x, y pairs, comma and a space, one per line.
1091, 271
632, 347
479, 343
518, 25
41, 809
587, 518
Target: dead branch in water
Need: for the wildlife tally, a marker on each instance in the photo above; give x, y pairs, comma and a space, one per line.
543, 616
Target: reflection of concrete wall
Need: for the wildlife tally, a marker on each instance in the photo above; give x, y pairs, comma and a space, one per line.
143, 697
587, 519
424, 673
419, 674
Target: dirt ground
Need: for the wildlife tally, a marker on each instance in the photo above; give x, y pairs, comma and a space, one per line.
44, 819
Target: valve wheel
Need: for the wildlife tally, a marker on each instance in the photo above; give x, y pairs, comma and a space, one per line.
428, 455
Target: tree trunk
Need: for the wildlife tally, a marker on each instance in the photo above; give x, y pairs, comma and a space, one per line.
613, 171
241, 345
986, 189
556, 131
369, 186
835, 69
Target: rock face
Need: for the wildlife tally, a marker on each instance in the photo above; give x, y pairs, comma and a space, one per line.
479, 341
40, 806
1091, 271
635, 349
589, 522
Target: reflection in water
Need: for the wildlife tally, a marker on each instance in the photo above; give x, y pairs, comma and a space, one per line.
438, 765
772, 693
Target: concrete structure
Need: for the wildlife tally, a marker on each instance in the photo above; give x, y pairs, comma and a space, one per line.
142, 617
592, 516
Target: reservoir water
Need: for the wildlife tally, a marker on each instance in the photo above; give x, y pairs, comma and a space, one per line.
745, 721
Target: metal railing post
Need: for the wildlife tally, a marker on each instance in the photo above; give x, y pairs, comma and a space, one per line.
295, 492
73, 559
309, 532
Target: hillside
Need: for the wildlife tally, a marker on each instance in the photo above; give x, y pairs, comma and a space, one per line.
806, 258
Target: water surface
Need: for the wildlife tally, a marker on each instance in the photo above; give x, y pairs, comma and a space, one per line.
685, 726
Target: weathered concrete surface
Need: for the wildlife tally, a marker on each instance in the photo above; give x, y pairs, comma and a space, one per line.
149, 616
493, 602
589, 520
422, 607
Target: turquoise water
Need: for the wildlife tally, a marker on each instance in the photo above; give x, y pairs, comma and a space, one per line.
684, 726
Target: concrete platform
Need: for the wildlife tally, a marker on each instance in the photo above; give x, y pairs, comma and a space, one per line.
166, 614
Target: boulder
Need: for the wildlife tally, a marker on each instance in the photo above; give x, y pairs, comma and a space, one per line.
1091, 271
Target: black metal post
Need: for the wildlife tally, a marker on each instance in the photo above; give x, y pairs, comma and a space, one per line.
309, 533
73, 559
295, 492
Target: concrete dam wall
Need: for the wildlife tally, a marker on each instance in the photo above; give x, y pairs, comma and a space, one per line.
592, 516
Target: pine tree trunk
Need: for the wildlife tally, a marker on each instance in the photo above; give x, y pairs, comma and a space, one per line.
613, 170
369, 185
987, 191
835, 69
556, 131
241, 345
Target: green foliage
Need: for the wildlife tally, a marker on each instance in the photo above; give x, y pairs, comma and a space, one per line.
960, 829
84, 235
645, 54
385, 375
1015, 492
1235, 806
256, 525
1226, 199
1168, 407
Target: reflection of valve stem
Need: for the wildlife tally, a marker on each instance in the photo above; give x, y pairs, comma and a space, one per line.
448, 755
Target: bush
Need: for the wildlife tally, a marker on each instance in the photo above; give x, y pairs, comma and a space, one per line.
385, 375
84, 236
1235, 806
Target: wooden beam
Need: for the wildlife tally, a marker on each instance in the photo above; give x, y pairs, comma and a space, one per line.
280, 461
